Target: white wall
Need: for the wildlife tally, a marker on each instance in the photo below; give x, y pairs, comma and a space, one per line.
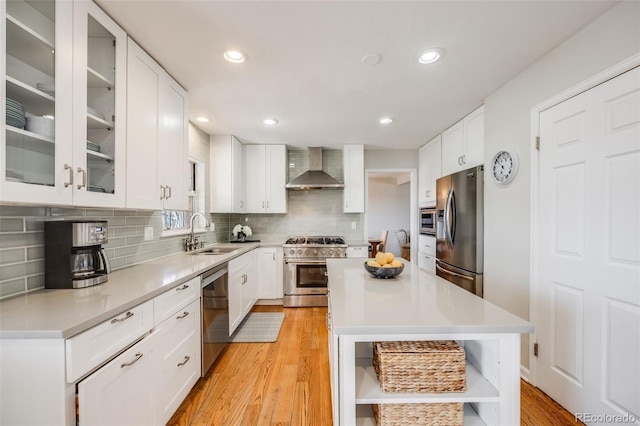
388, 208
610, 39
395, 159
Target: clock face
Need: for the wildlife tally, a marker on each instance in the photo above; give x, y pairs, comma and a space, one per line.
504, 166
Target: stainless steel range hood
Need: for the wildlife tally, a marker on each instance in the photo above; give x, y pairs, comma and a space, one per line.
315, 177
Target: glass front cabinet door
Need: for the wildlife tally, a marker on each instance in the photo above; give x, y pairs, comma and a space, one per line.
53, 151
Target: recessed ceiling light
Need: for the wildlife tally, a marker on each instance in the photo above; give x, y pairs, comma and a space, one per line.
270, 121
371, 59
202, 119
430, 56
234, 56
386, 120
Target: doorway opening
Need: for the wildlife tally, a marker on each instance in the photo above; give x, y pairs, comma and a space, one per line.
391, 205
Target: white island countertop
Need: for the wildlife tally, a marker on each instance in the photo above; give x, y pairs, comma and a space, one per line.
54, 314
415, 302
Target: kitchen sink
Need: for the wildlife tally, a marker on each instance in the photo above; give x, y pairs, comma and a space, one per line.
216, 250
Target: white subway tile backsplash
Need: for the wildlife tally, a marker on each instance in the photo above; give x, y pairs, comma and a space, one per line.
11, 225
8, 288
11, 256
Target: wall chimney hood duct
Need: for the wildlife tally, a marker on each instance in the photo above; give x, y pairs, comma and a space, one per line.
315, 177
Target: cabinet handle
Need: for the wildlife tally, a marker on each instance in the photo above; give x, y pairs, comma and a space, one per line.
274, 256
263, 204
183, 287
128, 315
464, 159
84, 178
328, 322
130, 363
267, 203
241, 203
184, 315
169, 188
427, 193
186, 360
162, 192
68, 167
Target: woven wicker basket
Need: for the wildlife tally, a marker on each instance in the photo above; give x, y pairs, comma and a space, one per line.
420, 366
436, 414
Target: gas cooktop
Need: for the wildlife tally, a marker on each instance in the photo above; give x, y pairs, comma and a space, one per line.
315, 241
314, 247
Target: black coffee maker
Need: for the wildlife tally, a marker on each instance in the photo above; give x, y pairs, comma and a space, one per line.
73, 252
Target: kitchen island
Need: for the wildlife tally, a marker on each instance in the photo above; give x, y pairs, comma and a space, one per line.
417, 305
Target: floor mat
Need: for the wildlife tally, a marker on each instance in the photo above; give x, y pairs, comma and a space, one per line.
259, 327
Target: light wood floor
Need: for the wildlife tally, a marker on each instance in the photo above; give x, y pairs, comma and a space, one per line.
287, 382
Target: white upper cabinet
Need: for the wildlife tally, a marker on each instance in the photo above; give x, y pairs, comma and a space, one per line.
68, 149
228, 190
430, 169
173, 141
266, 176
353, 167
157, 129
463, 143
99, 107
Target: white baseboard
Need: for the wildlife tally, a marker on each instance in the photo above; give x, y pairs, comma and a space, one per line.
524, 373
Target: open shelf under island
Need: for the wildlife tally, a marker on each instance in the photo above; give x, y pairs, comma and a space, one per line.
417, 305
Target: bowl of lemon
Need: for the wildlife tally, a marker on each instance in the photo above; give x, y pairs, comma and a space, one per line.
384, 265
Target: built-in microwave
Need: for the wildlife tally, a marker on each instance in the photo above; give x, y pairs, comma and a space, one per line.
428, 221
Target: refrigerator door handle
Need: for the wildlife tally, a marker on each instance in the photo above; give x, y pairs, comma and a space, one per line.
449, 218
454, 221
446, 271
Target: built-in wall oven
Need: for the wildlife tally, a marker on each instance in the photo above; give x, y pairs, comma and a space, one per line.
428, 219
305, 269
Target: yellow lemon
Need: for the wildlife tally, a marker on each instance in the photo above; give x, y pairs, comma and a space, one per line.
388, 265
381, 258
390, 257
373, 263
396, 263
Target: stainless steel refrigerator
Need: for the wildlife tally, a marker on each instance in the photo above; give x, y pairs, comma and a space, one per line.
459, 228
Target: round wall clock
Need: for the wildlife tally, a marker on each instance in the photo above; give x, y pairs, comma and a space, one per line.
504, 166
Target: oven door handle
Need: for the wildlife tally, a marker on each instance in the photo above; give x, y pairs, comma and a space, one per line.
305, 262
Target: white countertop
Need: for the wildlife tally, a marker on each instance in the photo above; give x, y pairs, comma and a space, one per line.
415, 302
52, 314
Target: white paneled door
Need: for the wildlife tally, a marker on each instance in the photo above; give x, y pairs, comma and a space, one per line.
588, 256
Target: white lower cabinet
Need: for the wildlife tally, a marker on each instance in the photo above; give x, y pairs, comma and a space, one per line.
358, 251
134, 368
243, 288
270, 278
177, 362
427, 252
121, 392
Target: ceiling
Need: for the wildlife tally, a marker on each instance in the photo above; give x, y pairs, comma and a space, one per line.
304, 64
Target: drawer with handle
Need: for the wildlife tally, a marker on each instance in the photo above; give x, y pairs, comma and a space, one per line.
427, 244
170, 301
92, 347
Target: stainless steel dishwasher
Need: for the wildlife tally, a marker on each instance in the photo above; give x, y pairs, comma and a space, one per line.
215, 315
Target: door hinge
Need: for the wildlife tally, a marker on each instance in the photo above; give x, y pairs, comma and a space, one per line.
535, 349
538, 143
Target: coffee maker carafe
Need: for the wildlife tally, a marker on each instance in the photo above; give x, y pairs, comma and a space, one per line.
74, 256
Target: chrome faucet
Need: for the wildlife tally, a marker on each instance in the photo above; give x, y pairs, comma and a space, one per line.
192, 242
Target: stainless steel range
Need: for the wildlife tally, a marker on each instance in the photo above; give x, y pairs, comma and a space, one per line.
305, 269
